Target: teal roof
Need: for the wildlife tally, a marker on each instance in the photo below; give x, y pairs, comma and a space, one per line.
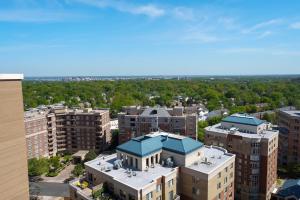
145, 145
141, 146
180, 146
243, 119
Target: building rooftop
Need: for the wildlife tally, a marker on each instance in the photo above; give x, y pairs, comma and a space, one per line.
294, 113
122, 175
217, 128
35, 114
148, 144
243, 119
212, 158
11, 76
155, 112
290, 188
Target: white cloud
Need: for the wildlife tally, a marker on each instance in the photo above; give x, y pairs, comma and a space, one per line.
265, 34
270, 51
149, 10
295, 25
183, 13
200, 37
34, 16
262, 25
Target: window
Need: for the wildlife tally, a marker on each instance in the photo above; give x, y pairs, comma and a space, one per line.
171, 195
219, 186
170, 182
149, 196
195, 191
226, 169
158, 188
219, 175
158, 198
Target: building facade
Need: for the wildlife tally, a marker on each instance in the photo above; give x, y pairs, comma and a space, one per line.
52, 130
160, 166
255, 145
13, 164
289, 136
137, 121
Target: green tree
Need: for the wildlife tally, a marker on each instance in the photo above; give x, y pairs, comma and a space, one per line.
78, 170
201, 131
91, 155
37, 167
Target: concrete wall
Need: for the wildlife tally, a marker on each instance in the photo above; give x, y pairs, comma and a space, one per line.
13, 159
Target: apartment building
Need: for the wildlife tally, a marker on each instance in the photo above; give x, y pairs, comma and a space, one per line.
161, 166
289, 136
86, 129
13, 162
56, 129
40, 133
136, 121
255, 145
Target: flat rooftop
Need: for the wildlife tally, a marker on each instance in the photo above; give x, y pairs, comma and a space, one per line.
265, 134
11, 76
213, 158
139, 181
35, 114
294, 113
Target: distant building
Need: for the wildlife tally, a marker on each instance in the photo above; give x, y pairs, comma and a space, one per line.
13, 162
255, 144
136, 121
217, 113
289, 136
58, 129
290, 190
160, 166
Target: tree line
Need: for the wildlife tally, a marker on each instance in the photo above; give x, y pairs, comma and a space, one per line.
237, 95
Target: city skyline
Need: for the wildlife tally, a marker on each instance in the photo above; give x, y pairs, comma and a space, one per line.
109, 37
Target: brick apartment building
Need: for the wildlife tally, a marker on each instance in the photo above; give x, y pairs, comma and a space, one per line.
160, 166
255, 145
136, 121
289, 136
54, 130
13, 162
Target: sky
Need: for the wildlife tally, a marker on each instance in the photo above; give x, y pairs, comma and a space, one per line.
139, 37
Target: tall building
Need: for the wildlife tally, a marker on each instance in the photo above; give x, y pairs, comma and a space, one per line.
137, 121
82, 129
40, 133
255, 145
13, 162
289, 136
51, 130
160, 166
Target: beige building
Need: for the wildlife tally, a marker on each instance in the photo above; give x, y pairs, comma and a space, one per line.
255, 145
160, 166
136, 121
56, 129
13, 162
40, 133
289, 136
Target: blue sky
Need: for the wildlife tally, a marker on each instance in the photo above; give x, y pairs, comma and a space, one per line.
169, 37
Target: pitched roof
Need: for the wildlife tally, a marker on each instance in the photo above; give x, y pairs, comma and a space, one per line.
145, 145
180, 146
155, 112
243, 119
141, 146
290, 188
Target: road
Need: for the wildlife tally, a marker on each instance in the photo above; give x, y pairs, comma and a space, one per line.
49, 189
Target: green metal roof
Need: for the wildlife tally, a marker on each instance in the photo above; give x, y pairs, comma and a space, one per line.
243, 119
145, 145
